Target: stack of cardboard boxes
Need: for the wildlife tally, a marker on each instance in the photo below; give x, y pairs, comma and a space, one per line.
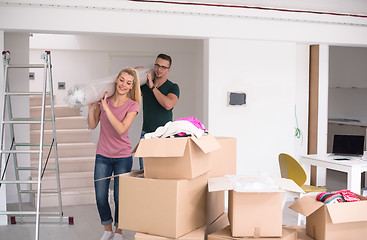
170, 197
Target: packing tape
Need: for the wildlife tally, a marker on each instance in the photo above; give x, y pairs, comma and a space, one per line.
113, 176
139, 173
257, 232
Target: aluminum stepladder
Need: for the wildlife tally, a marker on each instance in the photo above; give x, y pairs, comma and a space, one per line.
29, 148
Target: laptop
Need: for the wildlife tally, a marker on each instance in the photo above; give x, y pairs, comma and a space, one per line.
348, 145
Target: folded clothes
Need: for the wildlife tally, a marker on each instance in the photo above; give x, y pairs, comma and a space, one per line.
194, 121
172, 128
348, 195
337, 196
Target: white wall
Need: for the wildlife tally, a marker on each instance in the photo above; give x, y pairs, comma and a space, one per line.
348, 103
348, 83
301, 93
266, 71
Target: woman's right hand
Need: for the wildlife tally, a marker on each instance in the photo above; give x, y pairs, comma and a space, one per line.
92, 105
93, 115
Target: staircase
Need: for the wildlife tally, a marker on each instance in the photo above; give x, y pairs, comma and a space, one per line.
76, 154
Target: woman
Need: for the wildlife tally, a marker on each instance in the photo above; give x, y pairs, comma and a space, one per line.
116, 114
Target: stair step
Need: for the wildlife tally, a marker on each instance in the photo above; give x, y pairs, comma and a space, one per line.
67, 180
74, 164
71, 122
63, 136
37, 100
69, 197
60, 111
76, 155
69, 150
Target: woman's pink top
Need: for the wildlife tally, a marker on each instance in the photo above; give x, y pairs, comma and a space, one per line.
110, 143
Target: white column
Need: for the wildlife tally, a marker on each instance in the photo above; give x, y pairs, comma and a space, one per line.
323, 108
3, 218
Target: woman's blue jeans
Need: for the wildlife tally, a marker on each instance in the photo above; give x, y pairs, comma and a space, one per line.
104, 167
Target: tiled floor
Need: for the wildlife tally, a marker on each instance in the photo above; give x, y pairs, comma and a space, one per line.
87, 224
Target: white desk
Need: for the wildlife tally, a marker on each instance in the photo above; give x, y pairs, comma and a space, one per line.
353, 168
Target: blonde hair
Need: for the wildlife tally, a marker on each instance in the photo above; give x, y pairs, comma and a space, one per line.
134, 93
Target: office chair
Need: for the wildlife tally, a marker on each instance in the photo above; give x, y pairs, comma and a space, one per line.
290, 168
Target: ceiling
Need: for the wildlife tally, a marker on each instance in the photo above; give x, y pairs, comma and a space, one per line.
351, 7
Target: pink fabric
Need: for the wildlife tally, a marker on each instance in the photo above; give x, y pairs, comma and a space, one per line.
194, 121
348, 195
110, 143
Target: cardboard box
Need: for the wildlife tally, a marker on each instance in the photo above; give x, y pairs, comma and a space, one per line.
224, 159
198, 234
168, 208
176, 158
301, 232
223, 163
254, 213
215, 206
347, 220
220, 223
225, 234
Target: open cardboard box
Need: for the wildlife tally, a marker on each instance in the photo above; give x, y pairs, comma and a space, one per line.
255, 213
346, 220
197, 234
164, 207
176, 158
225, 234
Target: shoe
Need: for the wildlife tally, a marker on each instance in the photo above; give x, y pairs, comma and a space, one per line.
117, 236
107, 235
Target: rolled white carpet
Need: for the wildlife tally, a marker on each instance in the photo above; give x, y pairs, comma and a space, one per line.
84, 94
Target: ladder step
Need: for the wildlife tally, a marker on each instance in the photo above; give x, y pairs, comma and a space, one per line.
35, 191
18, 181
28, 213
33, 168
27, 65
31, 144
27, 121
25, 93
48, 219
20, 151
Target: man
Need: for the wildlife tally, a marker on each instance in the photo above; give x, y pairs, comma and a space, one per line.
160, 95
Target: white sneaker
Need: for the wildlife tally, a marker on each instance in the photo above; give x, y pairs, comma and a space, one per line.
107, 235
117, 236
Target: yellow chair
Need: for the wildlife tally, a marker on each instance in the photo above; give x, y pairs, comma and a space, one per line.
291, 169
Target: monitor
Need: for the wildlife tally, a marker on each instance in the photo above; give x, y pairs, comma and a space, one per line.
348, 145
